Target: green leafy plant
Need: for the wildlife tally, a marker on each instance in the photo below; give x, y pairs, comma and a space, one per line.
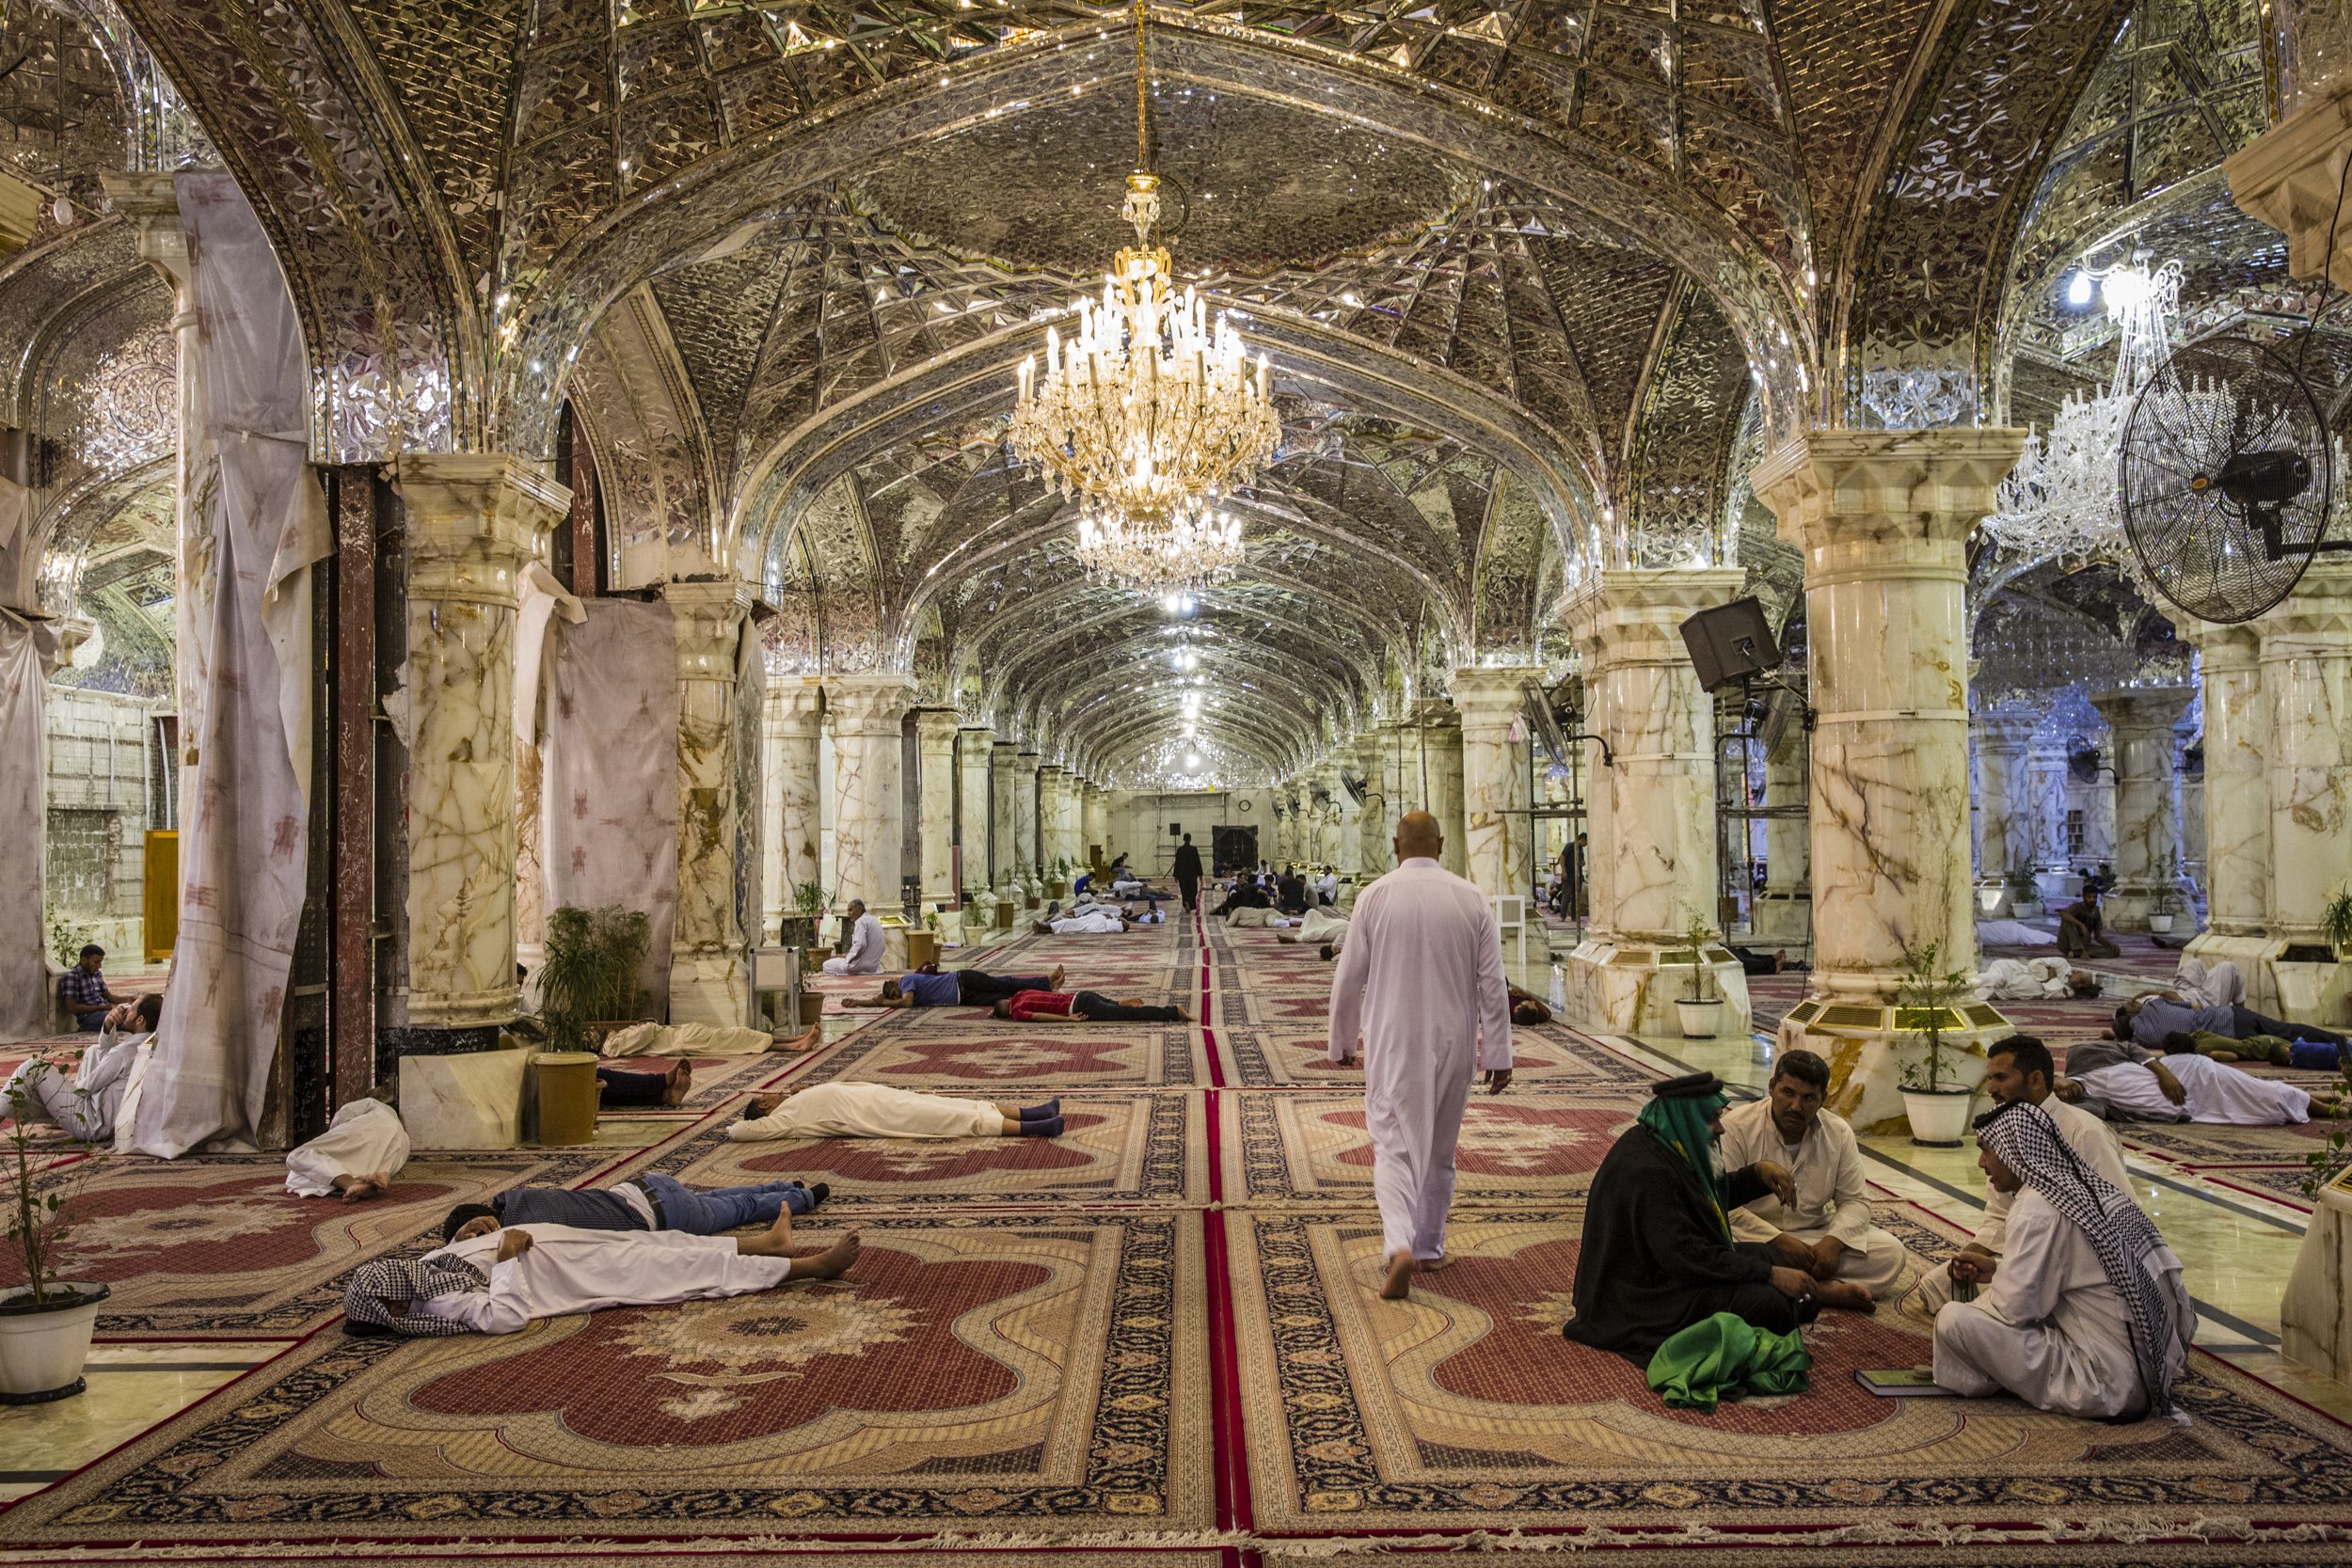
68, 937
593, 960
808, 898
2323, 1165
1925, 1007
1696, 936
39, 1216
2335, 921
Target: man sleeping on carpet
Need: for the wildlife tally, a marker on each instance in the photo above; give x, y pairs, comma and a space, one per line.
1084, 1007
879, 1111
933, 987
649, 1202
496, 1283
701, 1040
2123, 1082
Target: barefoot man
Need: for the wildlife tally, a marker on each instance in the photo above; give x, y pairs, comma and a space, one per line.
1419, 983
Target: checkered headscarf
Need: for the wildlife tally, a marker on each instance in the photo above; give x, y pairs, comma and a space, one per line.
409, 1280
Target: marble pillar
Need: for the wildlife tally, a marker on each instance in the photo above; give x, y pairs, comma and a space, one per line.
935, 765
1883, 519
1004, 795
2236, 803
1441, 735
1783, 910
1024, 814
710, 982
1052, 786
2045, 809
865, 715
2004, 833
1096, 847
2147, 804
794, 726
2306, 677
1497, 781
1328, 797
470, 523
972, 816
1653, 849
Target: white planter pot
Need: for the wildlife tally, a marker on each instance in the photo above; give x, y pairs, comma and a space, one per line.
41, 1353
1700, 1019
2160, 924
1938, 1118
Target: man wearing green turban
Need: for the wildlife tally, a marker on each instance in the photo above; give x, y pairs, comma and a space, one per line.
1658, 1252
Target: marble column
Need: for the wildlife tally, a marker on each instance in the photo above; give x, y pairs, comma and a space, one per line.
794, 727
1652, 863
2306, 677
1052, 786
1783, 910
1328, 813
2237, 802
472, 522
972, 814
2147, 804
710, 982
935, 764
2005, 838
1004, 795
1024, 813
1883, 519
865, 715
1440, 735
2045, 807
1098, 824
1496, 783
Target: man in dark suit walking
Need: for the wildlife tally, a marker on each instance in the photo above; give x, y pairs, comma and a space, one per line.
1187, 870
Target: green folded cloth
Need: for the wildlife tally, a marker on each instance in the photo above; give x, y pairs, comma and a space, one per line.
1723, 1354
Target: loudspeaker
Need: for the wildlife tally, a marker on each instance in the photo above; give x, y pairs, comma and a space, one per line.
1730, 641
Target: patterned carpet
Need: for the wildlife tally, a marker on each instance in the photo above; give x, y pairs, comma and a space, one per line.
1150, 1340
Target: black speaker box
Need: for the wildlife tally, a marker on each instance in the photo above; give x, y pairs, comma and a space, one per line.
1730, 641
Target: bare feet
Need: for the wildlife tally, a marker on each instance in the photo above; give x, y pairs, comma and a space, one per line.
680, 1082
798, 1043
1432, 1265
1400, 1278
1053, 981
831, 1263
1041, 928
1845, 1295
360, 1189
1182, 1013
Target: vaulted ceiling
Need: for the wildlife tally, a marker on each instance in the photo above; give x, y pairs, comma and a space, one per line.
1534, 277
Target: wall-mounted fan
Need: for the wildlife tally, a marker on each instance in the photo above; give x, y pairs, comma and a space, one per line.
1357, 788
1535, 706
2082, 764
2228, 476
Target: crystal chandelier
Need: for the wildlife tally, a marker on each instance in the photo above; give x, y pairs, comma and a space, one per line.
1148, 405
2064, 496
1186, 549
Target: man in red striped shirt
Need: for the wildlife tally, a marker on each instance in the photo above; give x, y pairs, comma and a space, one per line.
1084, 1007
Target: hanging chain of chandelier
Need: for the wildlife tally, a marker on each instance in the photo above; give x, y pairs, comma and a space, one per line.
1149, 412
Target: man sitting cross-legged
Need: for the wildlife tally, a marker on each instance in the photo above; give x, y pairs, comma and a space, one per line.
879, 1111
1827, 1230
1084, 1007
495, 1284
2084, 1312
1658, 1252
649, 1202
933, 987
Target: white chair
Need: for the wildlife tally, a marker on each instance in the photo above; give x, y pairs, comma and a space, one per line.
1511, 914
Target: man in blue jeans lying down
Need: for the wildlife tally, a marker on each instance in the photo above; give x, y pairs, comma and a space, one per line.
649, 1202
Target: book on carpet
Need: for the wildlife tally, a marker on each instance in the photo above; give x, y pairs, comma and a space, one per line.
1898, 1383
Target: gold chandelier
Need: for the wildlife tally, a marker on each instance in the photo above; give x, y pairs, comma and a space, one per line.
1190, 548
1148, 407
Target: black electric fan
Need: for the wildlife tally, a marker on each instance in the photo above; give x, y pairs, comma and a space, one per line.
2227, 478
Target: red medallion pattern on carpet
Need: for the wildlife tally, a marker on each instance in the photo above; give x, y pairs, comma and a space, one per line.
1312, 1148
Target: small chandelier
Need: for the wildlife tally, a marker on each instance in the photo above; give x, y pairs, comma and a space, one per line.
1189, 550
1150, 406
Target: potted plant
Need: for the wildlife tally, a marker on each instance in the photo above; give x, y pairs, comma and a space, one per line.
1057, 886
590, 976
2024, 894
45, 1324
1700, 1012
799, 929
2335, 922
1934, 1099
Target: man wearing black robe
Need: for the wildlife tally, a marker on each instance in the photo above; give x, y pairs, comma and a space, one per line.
1188, 869
1658, 1254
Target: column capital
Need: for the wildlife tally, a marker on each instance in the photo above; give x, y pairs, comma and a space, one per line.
1436, 713
935, 727
2289, 177
1838, 490
2143, 709
151, 202
1636, 613
2321, 605
868, 704
708, 620
799, 701
2232, 645
1489, 696
2004, 728
472, 521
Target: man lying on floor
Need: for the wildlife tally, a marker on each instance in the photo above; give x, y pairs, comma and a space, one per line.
1826, 1232
495, 1284
1084, 1007
357, 1156
2147, 1020
1091, 920
702, 1039
2121, 1082
1657, 1252
2084, 1312
87, 1103
1318, 928
933, 987
649, 1202
879, 1111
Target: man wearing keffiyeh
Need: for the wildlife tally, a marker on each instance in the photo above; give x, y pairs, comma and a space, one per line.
2084, 1312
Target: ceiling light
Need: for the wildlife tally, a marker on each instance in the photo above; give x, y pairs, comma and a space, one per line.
2078, 290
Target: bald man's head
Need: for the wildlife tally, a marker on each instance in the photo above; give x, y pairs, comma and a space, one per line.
1417, 836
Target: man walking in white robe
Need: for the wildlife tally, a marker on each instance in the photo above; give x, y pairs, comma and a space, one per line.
1421, 984
1827, 1230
